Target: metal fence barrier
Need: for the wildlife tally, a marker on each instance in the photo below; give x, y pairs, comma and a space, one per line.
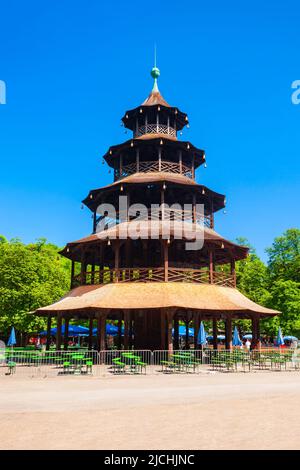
47, 363
114, 362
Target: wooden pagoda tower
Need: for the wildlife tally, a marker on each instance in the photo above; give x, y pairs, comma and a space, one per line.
149, 283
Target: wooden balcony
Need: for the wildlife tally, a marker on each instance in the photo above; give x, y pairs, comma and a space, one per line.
160, 129
166, 213
154, 167
200, 276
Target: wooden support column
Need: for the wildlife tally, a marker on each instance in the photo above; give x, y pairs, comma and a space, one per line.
49, 319
212, 217
159, 158
101, 331
120, 331
193, 167
66, 333
211, 266
117, 259
255, 343
228, 332
233, 271
121, 165
176, 332
169, 331
215, 334
83, 268
162, 203
137, 153
94, 221
90, 342
72, 273
196, 328
58, 331
180, 161
93, 274
162, 329
126, 329
194, 215
187, 322
166, 259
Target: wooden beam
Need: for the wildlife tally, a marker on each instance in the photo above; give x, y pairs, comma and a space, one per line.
211, 265
126, 329
169, 331
166, 259
58, 331
196, 318
162, 329
120, 331
215, 334
176, 332
228, 332
233, 271
66, 333
49, 319
90, 341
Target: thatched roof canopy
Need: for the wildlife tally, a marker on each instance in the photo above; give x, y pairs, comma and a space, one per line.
209, 299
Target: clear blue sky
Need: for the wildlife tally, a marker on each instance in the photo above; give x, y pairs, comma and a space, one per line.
72, 68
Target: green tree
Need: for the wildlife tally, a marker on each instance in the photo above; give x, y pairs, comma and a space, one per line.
284, 256
30, 276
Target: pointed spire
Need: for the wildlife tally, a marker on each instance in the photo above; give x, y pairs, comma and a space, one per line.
155, 73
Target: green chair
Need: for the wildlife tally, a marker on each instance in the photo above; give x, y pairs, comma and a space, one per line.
67, 367
89, 367
11, 367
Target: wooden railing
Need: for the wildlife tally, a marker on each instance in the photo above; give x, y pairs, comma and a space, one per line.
153, 167
166, 213
155, 129
199, 276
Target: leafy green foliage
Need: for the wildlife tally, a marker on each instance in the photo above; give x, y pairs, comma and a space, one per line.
30, 276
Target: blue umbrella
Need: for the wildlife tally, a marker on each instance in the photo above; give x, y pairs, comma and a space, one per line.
219, 337
12, 339
236, 338
290, 338
111, 330
201, 335
182, 331
74, 330
279, 339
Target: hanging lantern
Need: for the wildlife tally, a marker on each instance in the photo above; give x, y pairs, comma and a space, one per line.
164, 186
222, 246
161, 142
203, 191
141, 110
126, 116
188, 146
158, 109
110, 152
91, 196
121, 188
131, 144
108, 242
